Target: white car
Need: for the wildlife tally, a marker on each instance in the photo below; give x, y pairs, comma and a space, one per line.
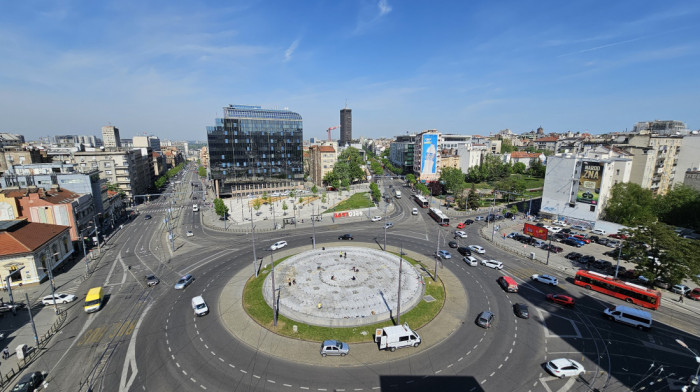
578, 227
61, 298
414, 211
460, 234
471, 260
189, 233
546, 279
495, 264
278, 245
476, 248
564, 367
376, 218
598, 231
555, 229
479, 218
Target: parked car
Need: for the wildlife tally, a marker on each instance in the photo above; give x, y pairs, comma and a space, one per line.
581, 237
443, 254
578, 227
471, 260
485, 319
573, 256
452, 244
460, 234
546, 279
151, 280
512, 235
376, 218
563, 367
694, 294
61, 298
334, 347
477, 249
594, 238
278, 245
561, 299
184, 282
574, 242
598, 231
662, 283
553, 248
680, 289
464, 251
587, 259
495, 264
521, 310
30, 382
346, 237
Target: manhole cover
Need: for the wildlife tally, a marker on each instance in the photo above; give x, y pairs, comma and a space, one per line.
428, 298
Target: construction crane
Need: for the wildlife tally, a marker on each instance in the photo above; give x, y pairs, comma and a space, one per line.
329, 131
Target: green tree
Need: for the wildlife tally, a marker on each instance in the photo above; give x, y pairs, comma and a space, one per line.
519, 168
411, 179
257, 203
537, 169
453, 179
284, 207
220, 208
679, 207
323, 197
202, 171
292, 194
630, 205
314, 189
376, 193
420, 187
473, 199
506, 146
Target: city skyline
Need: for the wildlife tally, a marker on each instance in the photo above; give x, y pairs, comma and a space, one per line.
168, 68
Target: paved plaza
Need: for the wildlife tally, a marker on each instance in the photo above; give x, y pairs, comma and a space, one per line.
344, 286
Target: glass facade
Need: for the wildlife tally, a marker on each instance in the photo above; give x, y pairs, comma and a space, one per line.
251, 145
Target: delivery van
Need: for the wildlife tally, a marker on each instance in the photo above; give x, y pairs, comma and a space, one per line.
633, 317
94, 300
398, 336
508, 284
199, 306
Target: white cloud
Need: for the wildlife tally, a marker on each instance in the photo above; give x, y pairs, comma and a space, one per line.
384, 7
290, 50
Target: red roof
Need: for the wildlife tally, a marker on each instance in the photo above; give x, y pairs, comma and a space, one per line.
524, 154
53, 196
326, 149
27, 237
547, 139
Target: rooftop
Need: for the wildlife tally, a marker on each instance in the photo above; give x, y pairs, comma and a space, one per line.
21, 236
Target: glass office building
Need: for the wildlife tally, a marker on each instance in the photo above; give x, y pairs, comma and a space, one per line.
252, 145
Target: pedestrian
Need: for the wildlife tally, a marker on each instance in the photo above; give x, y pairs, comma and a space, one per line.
345, 255
680, 298
5, 353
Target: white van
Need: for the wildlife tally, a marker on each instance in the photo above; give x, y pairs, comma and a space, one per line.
199, 306
195, 208
414, 211
634, 317
398, 336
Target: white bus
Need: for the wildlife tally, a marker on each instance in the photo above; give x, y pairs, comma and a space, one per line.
439, 217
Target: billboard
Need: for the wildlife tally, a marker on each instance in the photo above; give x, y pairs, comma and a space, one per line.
589, 183
429, 154
535, 231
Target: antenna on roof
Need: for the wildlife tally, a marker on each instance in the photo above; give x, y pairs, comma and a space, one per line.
346, 102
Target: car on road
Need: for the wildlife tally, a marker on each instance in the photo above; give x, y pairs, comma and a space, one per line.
477, 249
388, 225
443, 254
546, 279
680, 289
460, 234
485, 319
452, 244
561, 299
334, 347
147, 217
376, 218
346, 237
184, 282
189, 233
278, 245
460, 225
464, 251
414, 211
30, 382
521, 310
495, 264
151, 280
471, 260
468, 222
694, 294
479, 218
61, 298
564, 367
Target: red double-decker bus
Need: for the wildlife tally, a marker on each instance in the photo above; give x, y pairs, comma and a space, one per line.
630, 292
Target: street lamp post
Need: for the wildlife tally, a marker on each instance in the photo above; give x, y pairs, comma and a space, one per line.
82, 241
398, 304
274, 304
385, 237
313, 226
252, 233
437, 250
694, 381
53, 289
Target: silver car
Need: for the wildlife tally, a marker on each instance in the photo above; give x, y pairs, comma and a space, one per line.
184, 282
334, 347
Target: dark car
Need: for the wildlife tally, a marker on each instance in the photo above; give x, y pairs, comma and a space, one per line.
573, 242
29, 382
346, 237
468, 222
601, 264
540, 224
452, 244
565, 230
587, 259
594, 238
573, 256
147, 217
508, 215
521, 311
464, 251
553, 248
151, 280
603, 241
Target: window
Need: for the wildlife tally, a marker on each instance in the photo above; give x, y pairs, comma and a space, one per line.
108, 172
592, 208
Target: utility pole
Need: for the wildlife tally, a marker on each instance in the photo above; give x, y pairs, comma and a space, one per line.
82, 241
252, 233
53, 289
619, 253
385, 237
97, 235
31, 320
398, 304
313, 239
437, 249
274, 305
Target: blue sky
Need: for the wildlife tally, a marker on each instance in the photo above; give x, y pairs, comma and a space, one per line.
469, 67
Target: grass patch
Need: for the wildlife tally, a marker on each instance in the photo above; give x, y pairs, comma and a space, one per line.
354, 202
256, 307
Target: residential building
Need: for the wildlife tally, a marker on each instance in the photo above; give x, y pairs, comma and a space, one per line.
401, 152
661, 127
10, 139
29, 250
73, 140
469, 157
426, 157
147, 141
204, 156
110, 137
252, 146
692, 179
577, 187
321, 161
55, 206
655, 159
12, 155
345, 126
547, 143
524, 157
448, 158
131, 171
688, 158
454, 142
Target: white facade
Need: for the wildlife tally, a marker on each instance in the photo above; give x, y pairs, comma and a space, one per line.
469, 158
688, 158
561, 196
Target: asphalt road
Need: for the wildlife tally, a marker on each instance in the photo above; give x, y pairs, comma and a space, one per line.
147, 339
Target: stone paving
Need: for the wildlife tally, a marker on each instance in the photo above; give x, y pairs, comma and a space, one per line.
343, 286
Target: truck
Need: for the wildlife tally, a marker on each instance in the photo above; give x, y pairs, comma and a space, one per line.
397, 336
397, 193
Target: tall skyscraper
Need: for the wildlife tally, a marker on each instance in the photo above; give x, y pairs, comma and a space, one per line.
345, 126
110, 137
258, 147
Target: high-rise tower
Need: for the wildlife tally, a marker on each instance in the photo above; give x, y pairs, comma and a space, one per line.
345, 126
110, 136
